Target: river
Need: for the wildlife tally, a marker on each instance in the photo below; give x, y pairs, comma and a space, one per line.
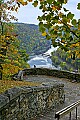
42, 60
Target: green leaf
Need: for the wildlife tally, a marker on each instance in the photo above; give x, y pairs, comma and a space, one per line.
78, 6
41, 7
65, 9
48, 17
47, 26
39, 18
41, 24
41, 27
74, 22
65, 20
49, 1
54, 43
35, 3
48, 37
70, 15
57, 17
65, 1
78, 21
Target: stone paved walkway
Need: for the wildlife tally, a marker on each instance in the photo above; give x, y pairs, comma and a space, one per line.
72, 94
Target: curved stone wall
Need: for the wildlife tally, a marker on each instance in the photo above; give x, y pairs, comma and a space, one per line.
22, 103
26, 102
53, 72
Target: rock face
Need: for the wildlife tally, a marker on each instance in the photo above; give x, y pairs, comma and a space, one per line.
23, 103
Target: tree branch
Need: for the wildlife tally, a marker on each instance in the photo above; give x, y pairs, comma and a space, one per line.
70, 29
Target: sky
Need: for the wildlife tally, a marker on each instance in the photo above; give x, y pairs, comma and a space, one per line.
29, 14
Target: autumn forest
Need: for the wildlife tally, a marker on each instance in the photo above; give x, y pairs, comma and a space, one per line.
57, 26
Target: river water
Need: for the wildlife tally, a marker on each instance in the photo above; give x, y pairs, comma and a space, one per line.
42, 60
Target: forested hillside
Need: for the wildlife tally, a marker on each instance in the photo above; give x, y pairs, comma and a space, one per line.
63, 60
31, 39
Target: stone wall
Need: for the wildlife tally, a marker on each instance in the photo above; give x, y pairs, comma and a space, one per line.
52, 72
23, 103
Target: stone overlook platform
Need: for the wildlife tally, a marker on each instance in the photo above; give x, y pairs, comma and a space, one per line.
71, 83
71, 90
21, 103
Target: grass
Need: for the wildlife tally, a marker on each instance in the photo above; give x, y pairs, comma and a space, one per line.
7, 84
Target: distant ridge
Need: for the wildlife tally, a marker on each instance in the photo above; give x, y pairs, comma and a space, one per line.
31, 38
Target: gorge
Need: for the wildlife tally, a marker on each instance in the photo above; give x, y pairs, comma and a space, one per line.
43, 60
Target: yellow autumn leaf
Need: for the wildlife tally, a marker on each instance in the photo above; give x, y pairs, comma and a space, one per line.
53, 8
60, 14
63, 41
73, 45
16, 62
65, 44
20, 1
77, 44
44, 34
7, 38
68, 20
30, 0
2, 55
78, 56
59, 22
41, 0
69, 25
4, 47
44, 8
65, 1
15, 51
16, 9
78, 27
2, 36
3, 43
69, 51
23, 2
